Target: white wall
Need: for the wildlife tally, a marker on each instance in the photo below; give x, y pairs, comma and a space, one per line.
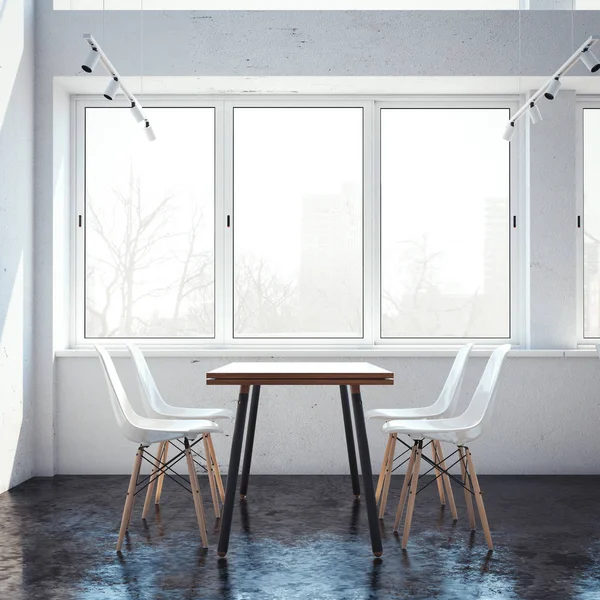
16, 245
545, 420
548, 409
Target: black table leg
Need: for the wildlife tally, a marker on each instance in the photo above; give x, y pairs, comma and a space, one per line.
232, 473
350, 440
249, 440
365, 463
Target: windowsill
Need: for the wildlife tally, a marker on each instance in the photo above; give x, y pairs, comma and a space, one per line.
312, 352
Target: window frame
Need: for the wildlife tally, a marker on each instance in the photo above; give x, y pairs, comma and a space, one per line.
223, 236
582, 103
515, 316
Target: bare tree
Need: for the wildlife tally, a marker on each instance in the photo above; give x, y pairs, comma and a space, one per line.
263, 302
133, 242
417, 305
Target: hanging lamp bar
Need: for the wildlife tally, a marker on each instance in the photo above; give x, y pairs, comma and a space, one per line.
561, 72
136, 107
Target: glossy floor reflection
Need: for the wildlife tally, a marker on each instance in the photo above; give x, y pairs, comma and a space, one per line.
299, 538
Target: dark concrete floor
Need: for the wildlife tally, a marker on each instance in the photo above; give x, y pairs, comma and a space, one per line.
299, 538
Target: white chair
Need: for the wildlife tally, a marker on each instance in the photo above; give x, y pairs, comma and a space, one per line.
157, 407
460, 431
145, 432
444, 405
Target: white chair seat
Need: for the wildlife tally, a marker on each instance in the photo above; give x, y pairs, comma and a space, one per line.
152, 431
180, 412
391, 414
443, 430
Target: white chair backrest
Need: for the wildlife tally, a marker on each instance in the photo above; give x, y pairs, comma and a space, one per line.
127, 418
148, 387
479, 411
450, 392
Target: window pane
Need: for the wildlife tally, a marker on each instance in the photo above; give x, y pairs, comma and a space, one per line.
149, 224
298, 177
591, 223
445, 258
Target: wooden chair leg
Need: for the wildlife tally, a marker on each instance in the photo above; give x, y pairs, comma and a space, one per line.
412, 495
446, 480
438, 473
151, 485
479, 500
467, 484
383, 469
196, 494
217, 471
211, 479
161, 477
388, 476
130, 497
405, 486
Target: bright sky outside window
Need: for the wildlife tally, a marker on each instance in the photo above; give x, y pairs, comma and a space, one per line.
294, 260
298, 197
445, 256
149, 224
591, 223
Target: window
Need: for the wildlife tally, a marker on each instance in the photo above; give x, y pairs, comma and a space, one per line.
591, 223
149, 224
298, 187
295, 221
445, 250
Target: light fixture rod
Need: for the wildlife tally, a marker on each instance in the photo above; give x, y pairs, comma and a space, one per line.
562, 71
89, 38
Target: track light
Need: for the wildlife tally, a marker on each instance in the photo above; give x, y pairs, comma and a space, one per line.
91, 61
509, 131
589, 60
552, 89
115, 86
552, 85
150, 132
112, 90
136, 111
534, 113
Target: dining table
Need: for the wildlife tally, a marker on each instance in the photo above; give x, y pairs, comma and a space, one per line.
254, 375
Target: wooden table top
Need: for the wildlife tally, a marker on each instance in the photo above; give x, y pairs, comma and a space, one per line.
299, 373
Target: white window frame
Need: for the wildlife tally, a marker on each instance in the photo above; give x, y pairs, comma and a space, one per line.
583, 102
223, 339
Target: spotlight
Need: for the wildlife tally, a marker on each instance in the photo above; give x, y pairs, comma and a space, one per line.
112, 90
534, 113
590, 61
91, 61
136, 111
552, 89
150, 132
509, 131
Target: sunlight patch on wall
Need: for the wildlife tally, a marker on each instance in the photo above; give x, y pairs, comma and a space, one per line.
12, 36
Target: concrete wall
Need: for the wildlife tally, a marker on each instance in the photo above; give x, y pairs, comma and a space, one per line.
548, 409
545, 419
16, 242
